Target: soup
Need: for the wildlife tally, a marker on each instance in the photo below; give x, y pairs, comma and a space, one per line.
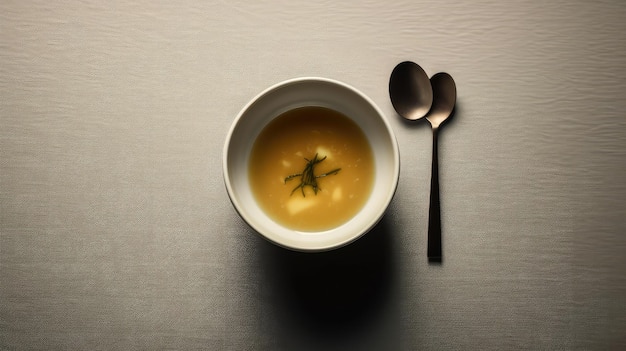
311, 169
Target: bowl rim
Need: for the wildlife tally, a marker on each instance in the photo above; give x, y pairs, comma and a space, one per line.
366, 226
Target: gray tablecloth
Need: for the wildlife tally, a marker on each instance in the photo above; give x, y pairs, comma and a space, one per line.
116, 231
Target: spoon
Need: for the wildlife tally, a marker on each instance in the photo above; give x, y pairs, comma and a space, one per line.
410, 91
444, 91
411, 95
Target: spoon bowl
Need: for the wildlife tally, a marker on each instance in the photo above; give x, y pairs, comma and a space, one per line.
410, 91
444, 99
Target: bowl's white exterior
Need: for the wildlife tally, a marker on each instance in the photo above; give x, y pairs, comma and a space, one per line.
310, 92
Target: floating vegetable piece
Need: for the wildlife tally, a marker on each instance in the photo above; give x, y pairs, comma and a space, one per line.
308, 177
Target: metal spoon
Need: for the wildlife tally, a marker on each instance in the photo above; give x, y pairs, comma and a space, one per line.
412, 97
444, 91
410, 90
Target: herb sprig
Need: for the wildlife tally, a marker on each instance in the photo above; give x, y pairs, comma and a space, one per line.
308, 177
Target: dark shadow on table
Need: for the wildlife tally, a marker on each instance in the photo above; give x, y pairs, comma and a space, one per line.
332, 295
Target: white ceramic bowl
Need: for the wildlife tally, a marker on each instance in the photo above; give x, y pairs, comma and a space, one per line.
301, 92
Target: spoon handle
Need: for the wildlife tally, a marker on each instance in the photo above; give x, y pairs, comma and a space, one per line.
434, 213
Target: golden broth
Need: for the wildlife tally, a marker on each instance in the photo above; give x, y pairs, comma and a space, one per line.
282, 150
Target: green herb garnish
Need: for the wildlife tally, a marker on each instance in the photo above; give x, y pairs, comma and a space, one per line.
308, 177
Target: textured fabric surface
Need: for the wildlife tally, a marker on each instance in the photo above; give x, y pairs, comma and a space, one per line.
116, 231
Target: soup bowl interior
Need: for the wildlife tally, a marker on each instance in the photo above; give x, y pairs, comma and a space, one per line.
302, 92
